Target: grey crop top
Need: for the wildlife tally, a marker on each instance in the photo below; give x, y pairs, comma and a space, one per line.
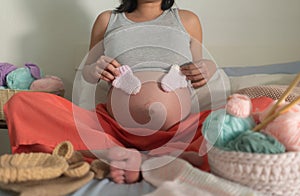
148, 46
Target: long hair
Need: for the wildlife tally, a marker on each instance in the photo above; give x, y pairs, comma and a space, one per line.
131, 5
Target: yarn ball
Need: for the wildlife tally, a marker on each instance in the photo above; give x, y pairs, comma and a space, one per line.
286, 129
34, 70
219, 127
20, 78
239, 105
262, 115
255, 142
47, 84
5, 68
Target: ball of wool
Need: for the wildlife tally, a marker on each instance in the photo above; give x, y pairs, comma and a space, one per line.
5, 69
239, 105
20, 78
262, 115
34, 70
219, 127
286, 129
255, 142
48, 84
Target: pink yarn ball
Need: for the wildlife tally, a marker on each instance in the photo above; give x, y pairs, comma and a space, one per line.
47, 84
262, 115
239, 105
286, 129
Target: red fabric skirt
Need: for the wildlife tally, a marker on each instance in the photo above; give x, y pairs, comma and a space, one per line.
37, 122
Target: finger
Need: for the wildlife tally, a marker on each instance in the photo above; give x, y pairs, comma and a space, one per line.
115, 63
193, 72
195, 77
187, 66
111, 61
107, 75
105, 79
197, 84
112, 69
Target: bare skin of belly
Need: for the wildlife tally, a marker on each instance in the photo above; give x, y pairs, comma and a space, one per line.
151, 108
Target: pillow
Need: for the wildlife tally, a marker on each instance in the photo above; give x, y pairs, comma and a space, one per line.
272, 74
246, 81
272, 91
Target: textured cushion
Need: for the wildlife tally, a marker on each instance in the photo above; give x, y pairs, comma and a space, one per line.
272, 91
240, 82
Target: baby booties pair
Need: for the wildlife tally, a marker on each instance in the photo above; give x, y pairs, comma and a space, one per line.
130, 84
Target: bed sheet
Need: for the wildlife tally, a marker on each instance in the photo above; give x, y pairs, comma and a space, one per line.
105, 187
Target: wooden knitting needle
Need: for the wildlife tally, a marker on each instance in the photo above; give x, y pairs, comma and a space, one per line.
285, 94
275, 115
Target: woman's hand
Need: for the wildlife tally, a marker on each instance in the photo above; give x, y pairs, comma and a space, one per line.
199, 72
105, 68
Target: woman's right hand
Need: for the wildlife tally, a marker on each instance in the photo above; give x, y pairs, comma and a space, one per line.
105, 68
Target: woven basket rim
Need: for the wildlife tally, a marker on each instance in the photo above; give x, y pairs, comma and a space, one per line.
253, 154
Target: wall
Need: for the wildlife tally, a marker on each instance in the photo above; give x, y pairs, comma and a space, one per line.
55, 34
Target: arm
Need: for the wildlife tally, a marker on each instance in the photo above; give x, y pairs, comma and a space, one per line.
201, 70
97, 65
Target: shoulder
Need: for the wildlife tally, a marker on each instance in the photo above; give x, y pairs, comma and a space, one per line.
103, 19
188, 16
191, 22
100, 26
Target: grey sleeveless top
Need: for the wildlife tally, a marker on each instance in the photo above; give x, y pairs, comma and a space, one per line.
148, 46
154, 46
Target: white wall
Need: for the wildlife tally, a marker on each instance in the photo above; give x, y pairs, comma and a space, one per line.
55, 33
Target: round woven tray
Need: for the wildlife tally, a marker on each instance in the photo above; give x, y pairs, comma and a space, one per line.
33, 166
276, 174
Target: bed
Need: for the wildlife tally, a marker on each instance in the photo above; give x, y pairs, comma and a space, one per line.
245, 79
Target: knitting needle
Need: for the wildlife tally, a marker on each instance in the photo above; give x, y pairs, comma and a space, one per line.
285, 94
275, 115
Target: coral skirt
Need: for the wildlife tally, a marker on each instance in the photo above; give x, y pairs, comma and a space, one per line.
37, 122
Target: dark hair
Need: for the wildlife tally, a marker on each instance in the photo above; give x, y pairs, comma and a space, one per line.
131, 5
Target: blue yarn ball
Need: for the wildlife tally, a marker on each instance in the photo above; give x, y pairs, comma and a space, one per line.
219, 127
20, 78
255, 142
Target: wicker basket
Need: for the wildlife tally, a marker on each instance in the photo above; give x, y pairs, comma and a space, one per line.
271, 174
6, 94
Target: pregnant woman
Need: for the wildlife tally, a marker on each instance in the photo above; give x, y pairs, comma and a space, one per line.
146, 59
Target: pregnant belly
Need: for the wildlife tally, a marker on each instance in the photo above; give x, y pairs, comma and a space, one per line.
151, 108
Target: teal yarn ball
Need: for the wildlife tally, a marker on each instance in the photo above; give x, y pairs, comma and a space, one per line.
20, 79
219, 127
255, 142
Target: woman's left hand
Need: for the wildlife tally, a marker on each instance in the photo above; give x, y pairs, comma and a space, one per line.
199, 72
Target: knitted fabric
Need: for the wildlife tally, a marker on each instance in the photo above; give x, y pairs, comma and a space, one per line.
271, 174
20, 78
33, 166
220, 127
48, 84
77, 169
34, 70
5, 68
64, 149
255, 142
239, 105
159, 170
100, 168
286, 128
